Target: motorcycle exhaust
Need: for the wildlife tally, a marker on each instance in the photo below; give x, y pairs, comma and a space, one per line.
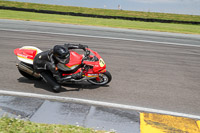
23, 67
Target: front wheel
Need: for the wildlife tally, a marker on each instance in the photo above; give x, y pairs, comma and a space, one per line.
103, 79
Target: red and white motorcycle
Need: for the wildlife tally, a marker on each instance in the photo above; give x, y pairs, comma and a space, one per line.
90, 64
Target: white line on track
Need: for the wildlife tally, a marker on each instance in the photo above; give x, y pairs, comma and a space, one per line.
97, 103
103, 37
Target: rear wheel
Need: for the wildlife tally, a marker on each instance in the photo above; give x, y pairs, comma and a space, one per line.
28, 76
103, 79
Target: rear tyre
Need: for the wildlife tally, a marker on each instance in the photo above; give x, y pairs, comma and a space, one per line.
26, 75
104, 78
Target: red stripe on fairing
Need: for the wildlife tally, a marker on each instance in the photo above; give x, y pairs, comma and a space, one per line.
25, 53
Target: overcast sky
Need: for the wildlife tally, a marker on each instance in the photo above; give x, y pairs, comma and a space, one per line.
165, 6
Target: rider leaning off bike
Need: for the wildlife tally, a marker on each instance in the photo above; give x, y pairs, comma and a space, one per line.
48, 60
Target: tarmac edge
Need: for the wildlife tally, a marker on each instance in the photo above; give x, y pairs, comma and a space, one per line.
98, 103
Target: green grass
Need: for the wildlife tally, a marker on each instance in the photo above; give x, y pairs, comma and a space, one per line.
13, 125
163, 27
151, 15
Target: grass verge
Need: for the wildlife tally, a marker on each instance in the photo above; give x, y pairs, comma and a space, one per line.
115, 23
105, 12
13, 125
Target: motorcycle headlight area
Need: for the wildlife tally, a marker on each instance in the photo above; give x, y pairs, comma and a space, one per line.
101, 62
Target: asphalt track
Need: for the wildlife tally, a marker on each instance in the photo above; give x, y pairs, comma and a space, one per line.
149, 69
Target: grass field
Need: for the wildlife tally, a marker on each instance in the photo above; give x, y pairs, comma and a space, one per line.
115, 23
162, 27
12, 125
108, 12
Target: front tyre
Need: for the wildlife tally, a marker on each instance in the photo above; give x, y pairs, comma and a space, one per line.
104, 78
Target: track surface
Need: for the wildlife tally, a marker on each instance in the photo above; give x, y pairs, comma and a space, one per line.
146, 74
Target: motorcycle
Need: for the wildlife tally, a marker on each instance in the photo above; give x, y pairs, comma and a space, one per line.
90, 63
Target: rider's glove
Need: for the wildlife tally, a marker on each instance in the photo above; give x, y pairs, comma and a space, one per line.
82, 46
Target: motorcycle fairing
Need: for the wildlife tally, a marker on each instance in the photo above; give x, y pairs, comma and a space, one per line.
75, 60
73, 65
27, 53
98, 66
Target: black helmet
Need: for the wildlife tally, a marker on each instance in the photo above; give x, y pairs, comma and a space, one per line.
61, 54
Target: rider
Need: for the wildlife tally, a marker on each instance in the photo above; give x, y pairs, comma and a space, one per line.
48, 60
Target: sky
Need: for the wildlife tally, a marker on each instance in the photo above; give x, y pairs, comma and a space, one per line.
191, 7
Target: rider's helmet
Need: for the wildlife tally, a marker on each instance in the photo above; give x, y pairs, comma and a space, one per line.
61, 54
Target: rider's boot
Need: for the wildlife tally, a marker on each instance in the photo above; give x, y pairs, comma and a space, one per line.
77, 75
62, 79
51, 81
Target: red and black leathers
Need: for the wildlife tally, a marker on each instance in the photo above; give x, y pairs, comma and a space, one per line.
46, 61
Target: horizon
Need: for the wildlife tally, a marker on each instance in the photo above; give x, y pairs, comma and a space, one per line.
189, 7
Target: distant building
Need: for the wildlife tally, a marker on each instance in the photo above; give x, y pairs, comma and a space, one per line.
119, 7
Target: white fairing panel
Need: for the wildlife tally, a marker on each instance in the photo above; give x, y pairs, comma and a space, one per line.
26, 60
